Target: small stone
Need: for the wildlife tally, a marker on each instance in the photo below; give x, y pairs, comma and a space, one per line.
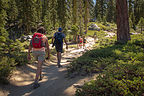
78, 85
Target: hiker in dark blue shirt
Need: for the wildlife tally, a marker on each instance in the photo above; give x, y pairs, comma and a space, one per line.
57, 41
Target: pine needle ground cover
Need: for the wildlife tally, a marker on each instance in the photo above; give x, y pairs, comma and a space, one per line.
120, 68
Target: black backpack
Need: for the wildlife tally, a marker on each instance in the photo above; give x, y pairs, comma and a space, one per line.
58, 38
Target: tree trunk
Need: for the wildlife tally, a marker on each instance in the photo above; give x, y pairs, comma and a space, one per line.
122, 21
74, 12
80, 10
86, 16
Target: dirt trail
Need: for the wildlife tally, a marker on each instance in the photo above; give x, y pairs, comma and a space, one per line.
54, 82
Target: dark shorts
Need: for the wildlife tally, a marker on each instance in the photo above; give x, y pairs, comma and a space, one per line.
59, 48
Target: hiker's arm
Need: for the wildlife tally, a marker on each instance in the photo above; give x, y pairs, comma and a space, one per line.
66, 43
48, 50
29, 50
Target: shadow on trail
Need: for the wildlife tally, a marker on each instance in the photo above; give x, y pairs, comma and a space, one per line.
21, 77
54, 83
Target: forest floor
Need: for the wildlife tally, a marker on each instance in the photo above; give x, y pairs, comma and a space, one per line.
55, 81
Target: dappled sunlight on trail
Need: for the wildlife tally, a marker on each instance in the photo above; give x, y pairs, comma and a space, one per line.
54, 82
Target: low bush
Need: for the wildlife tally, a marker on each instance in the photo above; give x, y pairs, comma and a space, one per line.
12, 56
20, 58
6, 67
120, 66
109, 86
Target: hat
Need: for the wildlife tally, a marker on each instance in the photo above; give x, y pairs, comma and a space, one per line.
60, 29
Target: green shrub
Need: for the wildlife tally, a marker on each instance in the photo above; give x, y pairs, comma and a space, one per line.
17, 51
6, 67
20, 58
121, 67
25, 44
108, 86
74, 30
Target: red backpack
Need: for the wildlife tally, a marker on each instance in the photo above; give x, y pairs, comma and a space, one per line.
80, 40
37, 40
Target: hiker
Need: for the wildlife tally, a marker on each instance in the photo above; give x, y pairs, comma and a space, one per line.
84, 42
37, 44
57, 41
80, 41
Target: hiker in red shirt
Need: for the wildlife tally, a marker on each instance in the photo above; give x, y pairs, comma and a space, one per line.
84, 42
80, 42
37, 44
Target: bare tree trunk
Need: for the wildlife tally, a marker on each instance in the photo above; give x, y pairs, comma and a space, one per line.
80, 10
123, 34
74, 12
86, 14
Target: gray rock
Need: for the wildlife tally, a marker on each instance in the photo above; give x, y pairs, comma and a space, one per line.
94, 27
78, 85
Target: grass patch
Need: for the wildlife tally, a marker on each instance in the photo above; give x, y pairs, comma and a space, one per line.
72, 46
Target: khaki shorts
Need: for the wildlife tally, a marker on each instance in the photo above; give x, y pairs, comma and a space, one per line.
39, 55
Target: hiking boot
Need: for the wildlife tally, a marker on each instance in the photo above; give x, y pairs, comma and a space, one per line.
59, 66
36, 85
41, 77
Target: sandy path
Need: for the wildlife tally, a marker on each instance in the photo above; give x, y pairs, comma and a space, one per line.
54, 82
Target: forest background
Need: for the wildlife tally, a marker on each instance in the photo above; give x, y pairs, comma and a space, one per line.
20, 18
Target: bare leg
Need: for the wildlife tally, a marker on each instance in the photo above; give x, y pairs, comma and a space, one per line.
41, 73
78, 45
83, 45
38, 71
59, 58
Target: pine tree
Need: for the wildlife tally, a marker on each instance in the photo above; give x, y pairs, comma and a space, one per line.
99, 19
86, 14
38, 11
104, 20
81, 16
3, 32
47, 22
28, 14
45, 8
91, 9
103, 8
138, 9
46, 15
75, 12
61, 13
100, 8
12, 14
12, 11
97, 8
130, 23
141, 24
69, 13
110, 11
132, 18
53, 11
130, 6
